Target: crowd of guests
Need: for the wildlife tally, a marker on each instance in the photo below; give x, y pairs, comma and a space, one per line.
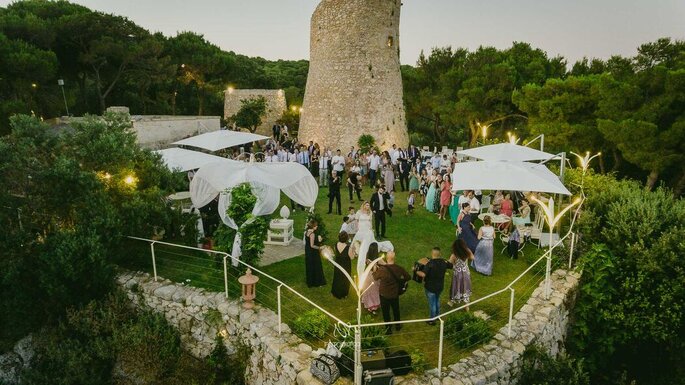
427, 180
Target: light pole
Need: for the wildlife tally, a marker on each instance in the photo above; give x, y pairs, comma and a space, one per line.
328, 253
60, 82
552, 220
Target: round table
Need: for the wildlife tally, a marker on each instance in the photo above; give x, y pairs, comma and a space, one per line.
496, 219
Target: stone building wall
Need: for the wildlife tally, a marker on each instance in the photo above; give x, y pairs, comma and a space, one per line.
285, 359
354, 85
159, 131
275, 105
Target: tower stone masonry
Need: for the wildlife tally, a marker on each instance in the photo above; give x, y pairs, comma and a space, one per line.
354, 85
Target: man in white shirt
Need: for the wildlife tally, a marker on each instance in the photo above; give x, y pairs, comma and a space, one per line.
323, 167
435, 161
463, 198
267, 158
475, 206
338, 164
394, 156
301, 158
282, 155
374, 164
444, 163
292, 157
274, 158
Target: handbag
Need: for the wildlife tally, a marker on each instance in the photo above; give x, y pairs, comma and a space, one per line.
324, 368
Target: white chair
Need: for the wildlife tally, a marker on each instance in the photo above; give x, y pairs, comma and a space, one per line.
485, 205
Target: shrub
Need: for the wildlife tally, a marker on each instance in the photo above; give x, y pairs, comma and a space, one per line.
628, 317
539, 368
312, 324
366, 143
322, 225
466, 330
418, 361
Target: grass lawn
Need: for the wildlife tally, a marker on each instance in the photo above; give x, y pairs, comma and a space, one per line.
413, 237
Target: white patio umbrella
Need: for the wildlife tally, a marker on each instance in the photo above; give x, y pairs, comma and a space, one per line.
506, 151
267, 181
180, 159
503, 175
217, 140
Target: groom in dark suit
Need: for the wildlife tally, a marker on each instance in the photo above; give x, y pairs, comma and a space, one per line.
379, 206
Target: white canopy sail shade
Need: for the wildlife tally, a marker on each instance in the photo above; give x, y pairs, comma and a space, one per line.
180, 159
217, 140
510, 176
267, 180
506, 151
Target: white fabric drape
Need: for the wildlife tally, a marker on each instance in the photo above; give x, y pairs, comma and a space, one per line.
266, 179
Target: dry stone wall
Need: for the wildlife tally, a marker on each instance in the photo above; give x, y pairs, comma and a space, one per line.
354, 85
274, 359
285, 359
275, 105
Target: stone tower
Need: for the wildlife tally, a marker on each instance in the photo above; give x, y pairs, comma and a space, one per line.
354, 85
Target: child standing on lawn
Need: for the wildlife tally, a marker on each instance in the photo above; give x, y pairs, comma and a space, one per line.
410, 203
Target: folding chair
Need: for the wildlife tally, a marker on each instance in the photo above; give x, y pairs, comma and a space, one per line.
485, 205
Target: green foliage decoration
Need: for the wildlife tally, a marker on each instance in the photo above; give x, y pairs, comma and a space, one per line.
253, 230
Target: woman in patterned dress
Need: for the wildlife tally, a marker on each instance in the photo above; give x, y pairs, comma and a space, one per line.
461, 279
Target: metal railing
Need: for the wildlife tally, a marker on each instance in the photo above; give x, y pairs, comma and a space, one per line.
509, 288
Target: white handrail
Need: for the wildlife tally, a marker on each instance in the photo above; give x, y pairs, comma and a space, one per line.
495, 293
253, 269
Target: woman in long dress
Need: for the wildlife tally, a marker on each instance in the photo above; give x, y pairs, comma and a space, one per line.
423, 186
364, 219
461, 279
430, 194
438, 191
389, 178
465, 228
315, 159
524, 214
445, 196
371, 297
454, 208
341, 285
413, 179
482, 260
506, 207
313, 266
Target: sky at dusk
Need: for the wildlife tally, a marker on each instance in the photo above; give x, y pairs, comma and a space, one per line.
279, 29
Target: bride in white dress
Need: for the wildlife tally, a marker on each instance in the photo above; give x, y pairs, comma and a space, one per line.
364, 218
